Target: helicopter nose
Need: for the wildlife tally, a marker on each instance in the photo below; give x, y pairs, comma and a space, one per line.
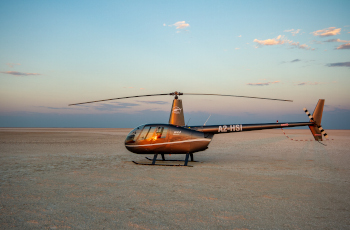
129, 147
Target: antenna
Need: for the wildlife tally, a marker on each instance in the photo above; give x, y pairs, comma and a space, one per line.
188, 121
207, 120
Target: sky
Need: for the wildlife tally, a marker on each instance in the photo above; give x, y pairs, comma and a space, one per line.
55, 53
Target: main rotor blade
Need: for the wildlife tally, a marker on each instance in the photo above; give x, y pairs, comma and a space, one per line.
178, 94
150, 95
264, 98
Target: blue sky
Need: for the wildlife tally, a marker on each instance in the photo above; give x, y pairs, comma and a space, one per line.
54, 53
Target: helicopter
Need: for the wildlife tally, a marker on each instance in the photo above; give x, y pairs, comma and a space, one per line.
178, 138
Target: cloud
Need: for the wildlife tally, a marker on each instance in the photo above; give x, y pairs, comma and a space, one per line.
315, 83
181, 25
19, 73
154, 102
280, 40
331, 31
316, 42
336, 40
58, 108
344, 46
310, 83
296, 60
270, 42
294, 32
240, 36
339, 64
263, 84
12, 64
113, 107
303, 46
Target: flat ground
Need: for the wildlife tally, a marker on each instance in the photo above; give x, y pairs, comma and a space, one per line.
84, 179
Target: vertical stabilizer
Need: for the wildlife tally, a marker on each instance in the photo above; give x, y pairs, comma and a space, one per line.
317, 115
177, 113
317, 118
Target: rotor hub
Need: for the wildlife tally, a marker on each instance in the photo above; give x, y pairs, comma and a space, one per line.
176, 94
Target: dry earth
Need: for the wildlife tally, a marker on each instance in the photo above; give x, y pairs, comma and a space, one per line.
84, 179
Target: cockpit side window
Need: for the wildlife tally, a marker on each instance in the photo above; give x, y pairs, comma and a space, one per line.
144, 133
150, 135
161, 132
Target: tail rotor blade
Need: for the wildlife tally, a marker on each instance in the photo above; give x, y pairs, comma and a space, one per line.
319, 127
309, 115
322, 131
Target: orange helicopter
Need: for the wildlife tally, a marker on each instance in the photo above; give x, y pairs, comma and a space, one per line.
177, 138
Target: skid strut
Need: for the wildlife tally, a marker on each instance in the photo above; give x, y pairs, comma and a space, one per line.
154, 159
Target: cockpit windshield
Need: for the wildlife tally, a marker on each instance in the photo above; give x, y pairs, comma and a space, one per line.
133, 135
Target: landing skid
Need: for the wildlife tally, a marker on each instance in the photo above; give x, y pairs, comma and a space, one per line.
161, 164
163, 159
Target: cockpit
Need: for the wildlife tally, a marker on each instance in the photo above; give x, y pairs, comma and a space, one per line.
147, 133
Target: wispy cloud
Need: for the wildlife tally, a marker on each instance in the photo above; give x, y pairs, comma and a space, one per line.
315, 83
19, 73
181, 25
309, 83
292, 61
293, 31
270, 42
280, 40
339, 64
331, 31
12, 64
131, 87
113, 107
154, 102
57, 108
336, 40
316, 42
344, 46
303, 46
263, 83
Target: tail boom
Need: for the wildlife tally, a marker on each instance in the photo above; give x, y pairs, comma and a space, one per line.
314, 125
217, 129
